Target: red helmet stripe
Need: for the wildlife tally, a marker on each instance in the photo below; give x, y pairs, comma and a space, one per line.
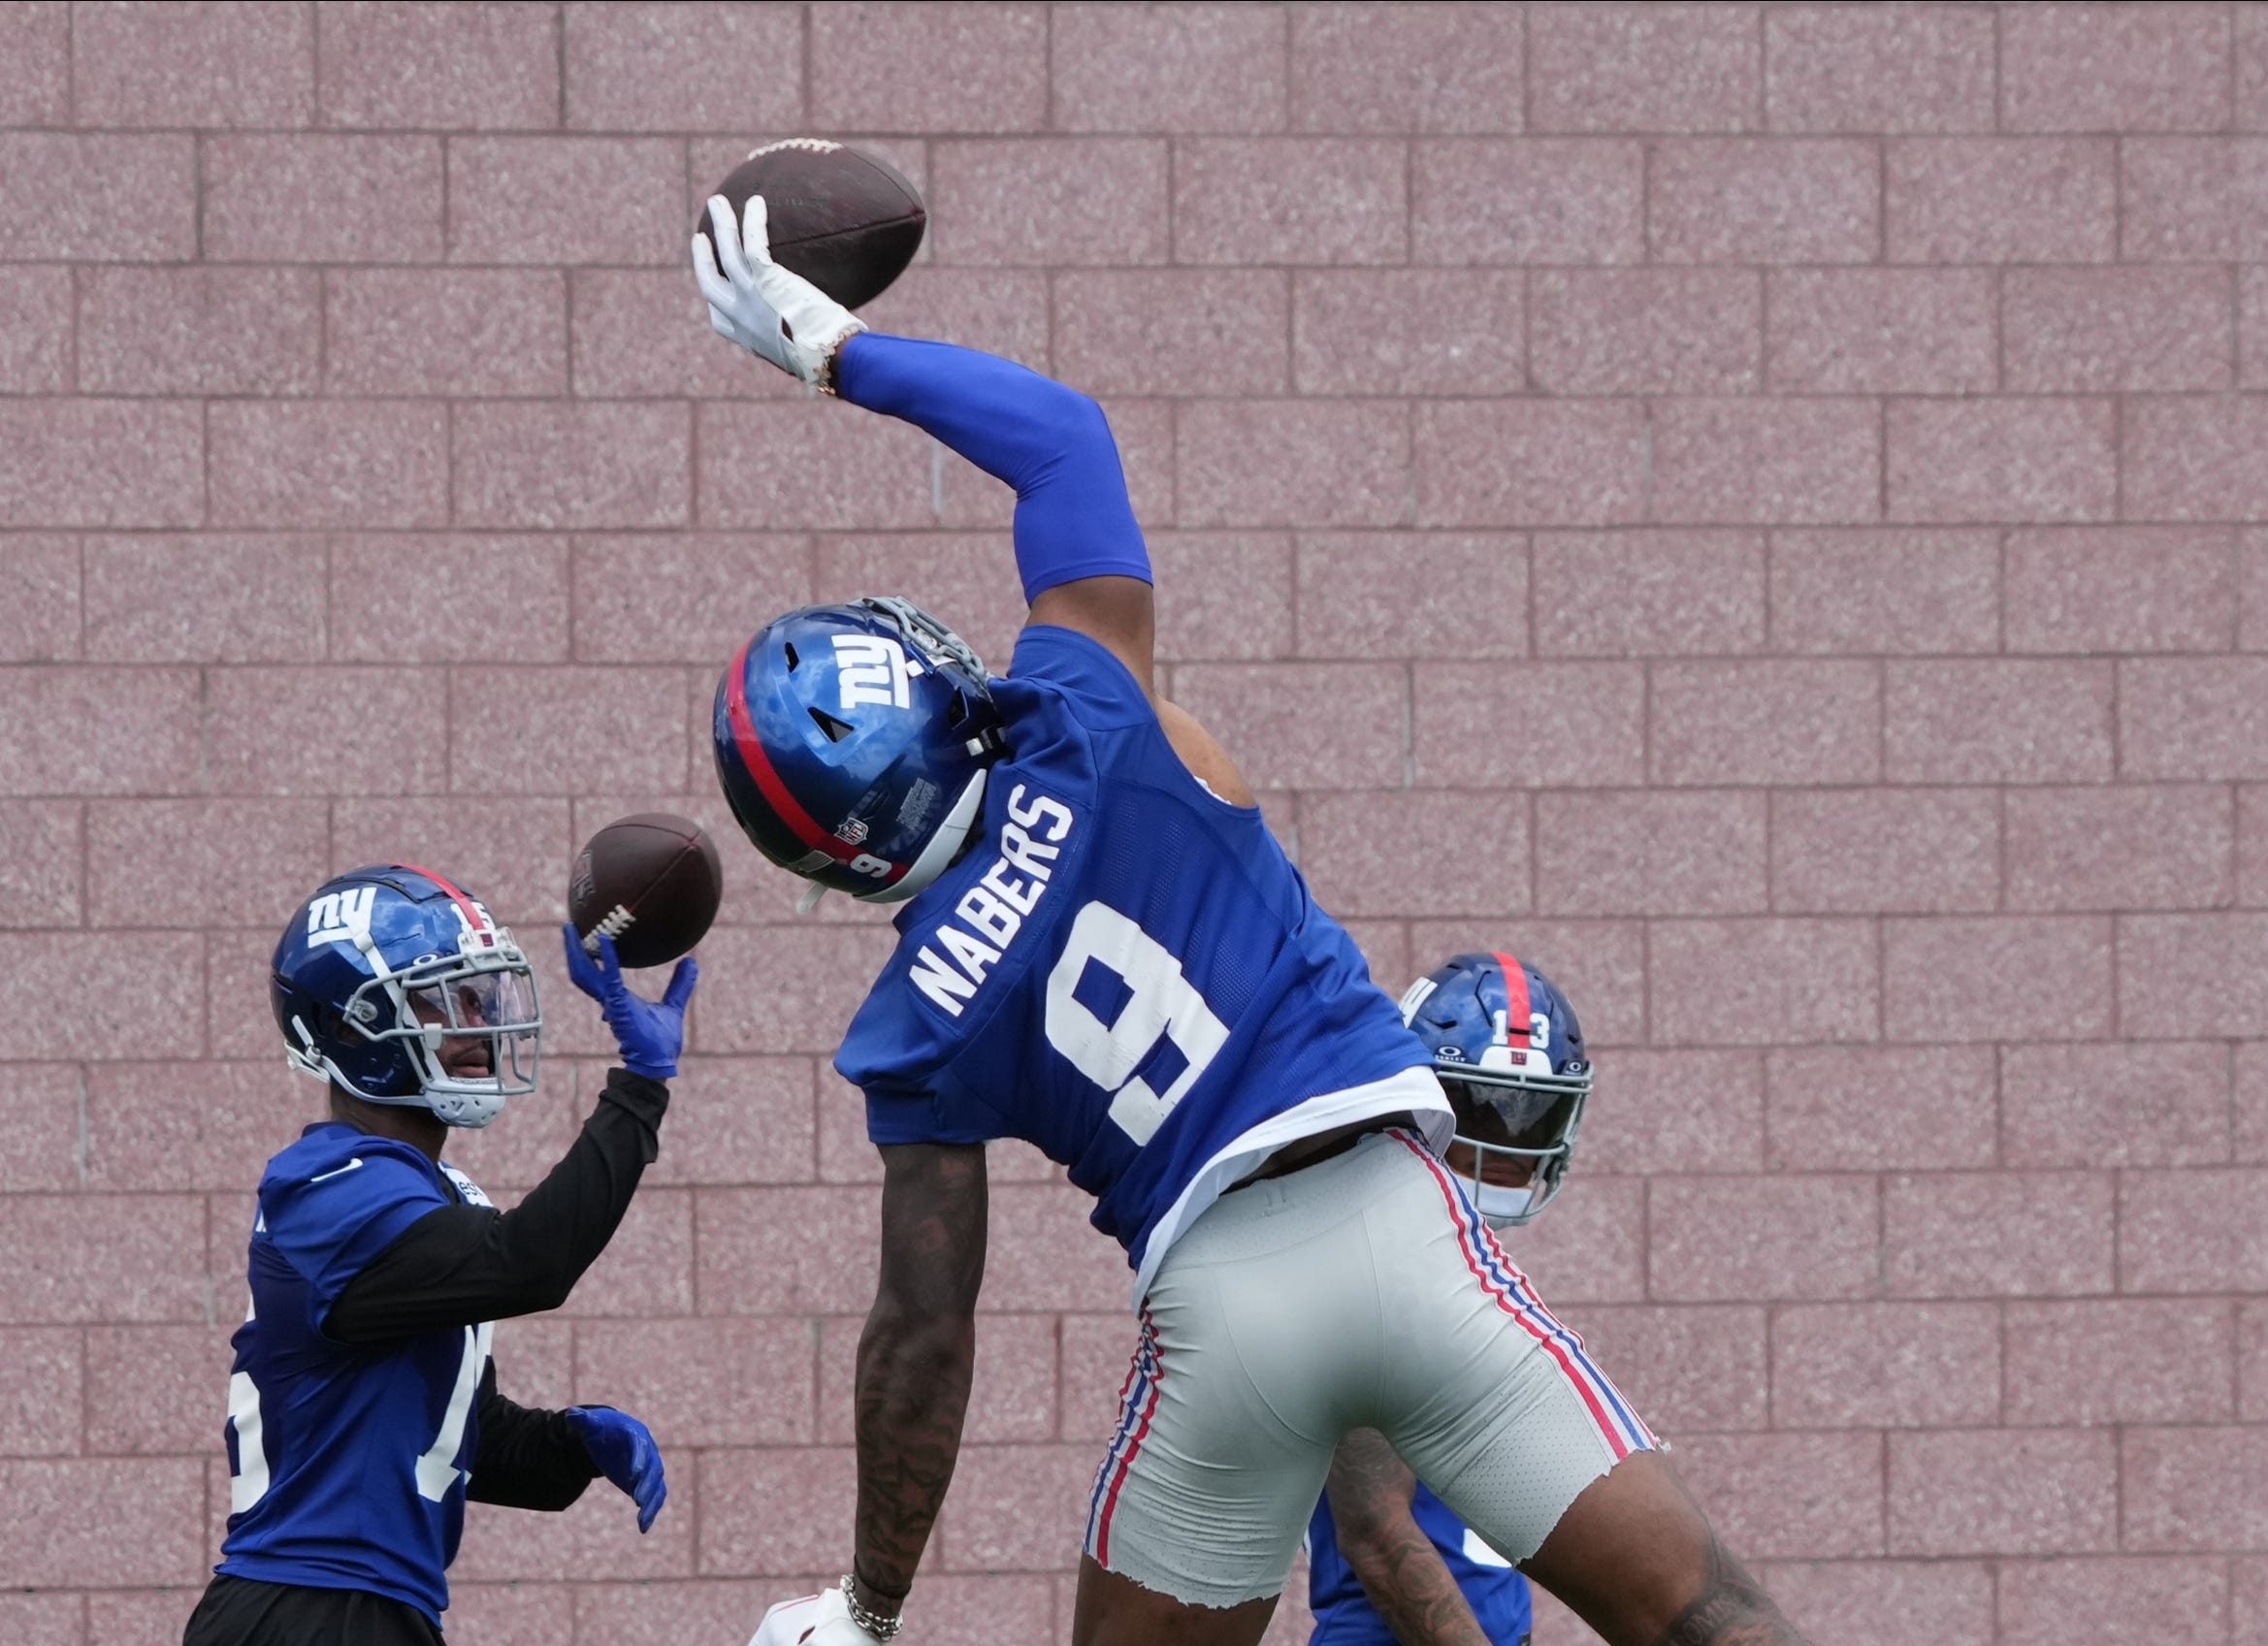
465, 904
767, 780
1515, 996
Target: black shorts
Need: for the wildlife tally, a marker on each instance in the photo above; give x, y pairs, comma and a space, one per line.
237, 1611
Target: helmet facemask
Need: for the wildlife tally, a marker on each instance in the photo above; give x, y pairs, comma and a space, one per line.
1510, 1122
441, 1010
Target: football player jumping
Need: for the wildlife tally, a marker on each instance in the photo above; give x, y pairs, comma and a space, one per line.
363, 1397
1387, 1561
1104, 951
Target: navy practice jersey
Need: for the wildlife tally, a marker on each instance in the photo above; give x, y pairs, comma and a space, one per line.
1123, 970
347, 1462
1343, 1615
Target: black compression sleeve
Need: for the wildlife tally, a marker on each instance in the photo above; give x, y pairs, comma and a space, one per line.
527, 1458
460, 1264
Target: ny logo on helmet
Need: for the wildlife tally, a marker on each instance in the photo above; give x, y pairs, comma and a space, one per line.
872, 668
342, 916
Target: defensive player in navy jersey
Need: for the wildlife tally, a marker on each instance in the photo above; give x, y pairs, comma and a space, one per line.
363, 1408
1102, 951
1387, 1561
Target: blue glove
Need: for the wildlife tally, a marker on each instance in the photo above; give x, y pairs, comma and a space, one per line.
650, 1033
623, 1449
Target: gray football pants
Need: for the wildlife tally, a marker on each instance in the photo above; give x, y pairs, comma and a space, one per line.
1362, 1291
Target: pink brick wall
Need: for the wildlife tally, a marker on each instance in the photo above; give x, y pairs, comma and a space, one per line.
1765, 500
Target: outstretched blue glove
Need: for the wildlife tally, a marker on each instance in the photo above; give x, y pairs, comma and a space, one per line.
650, 1033
623, 1449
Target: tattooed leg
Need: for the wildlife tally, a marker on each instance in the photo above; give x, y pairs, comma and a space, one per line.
1731, 1610
1637, 1560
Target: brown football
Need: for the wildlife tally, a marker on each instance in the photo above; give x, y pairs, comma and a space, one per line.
844, 219
651, 882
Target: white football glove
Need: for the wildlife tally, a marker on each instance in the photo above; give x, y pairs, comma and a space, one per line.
815, 1620
762, 307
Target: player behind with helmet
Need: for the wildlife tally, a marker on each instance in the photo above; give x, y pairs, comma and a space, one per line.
363, 1408
1103, 950
1389, 1561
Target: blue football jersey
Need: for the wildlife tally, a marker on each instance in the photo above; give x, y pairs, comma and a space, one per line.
1491, 1585
347, 1462
1123, 970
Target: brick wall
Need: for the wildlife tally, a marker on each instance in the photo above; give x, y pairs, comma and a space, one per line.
1751, 507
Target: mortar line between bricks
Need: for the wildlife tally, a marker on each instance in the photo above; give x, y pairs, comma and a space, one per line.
1882, 1501
315, 66
1593, 137
2229, 1109
567, 283
2119, 1221
2000, 1378
2229, 87
692, 465
1527, 71
1173, 179
2119, 429
1797, 266
2118, 1486
71, 348
1475, 398
2236, 332
1645, 257
2118, 247
1047, 112
1289, 82
449, 727
574, 555
1999, 78
559, 65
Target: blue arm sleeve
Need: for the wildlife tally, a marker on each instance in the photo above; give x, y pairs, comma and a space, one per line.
1051, 443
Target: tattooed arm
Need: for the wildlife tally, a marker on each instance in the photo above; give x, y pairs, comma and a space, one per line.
915, 1357
1408, 1582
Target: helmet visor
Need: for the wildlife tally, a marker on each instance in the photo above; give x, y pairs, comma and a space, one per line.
475, 1001
472, 1022
1519, 1140
1514, 1117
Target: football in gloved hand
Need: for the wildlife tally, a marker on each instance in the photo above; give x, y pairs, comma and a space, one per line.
842, 219
651, 882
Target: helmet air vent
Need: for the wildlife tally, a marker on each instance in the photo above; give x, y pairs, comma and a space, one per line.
836, 729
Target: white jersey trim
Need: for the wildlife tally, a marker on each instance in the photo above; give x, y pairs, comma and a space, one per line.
1415, 1091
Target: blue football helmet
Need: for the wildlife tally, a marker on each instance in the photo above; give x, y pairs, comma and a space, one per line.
852, 743
390, 982
1510, 1052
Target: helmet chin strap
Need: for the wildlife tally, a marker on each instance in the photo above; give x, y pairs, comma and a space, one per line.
304, 1057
